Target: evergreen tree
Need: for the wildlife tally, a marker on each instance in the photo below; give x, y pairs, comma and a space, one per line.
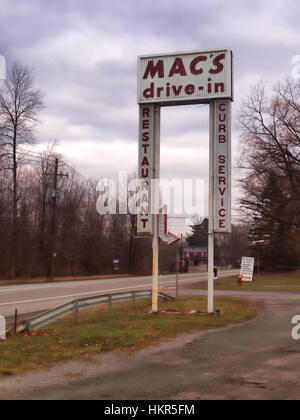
199, 235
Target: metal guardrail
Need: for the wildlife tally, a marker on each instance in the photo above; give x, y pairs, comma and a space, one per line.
45, 318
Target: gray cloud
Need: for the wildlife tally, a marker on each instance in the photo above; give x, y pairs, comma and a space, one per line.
84, 57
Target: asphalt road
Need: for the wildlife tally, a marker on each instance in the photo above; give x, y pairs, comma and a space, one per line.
29, 299
255, 360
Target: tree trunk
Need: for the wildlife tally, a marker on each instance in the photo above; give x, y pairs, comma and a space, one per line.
14, 233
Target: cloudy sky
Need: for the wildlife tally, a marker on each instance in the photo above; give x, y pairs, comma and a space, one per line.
83, 53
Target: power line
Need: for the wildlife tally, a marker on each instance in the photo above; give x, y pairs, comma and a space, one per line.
40, 155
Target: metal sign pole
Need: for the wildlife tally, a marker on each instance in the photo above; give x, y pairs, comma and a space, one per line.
155, 207
210, 294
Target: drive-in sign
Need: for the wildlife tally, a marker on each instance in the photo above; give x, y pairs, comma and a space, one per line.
185, 78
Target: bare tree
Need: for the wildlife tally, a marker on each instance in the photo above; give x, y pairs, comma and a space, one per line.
271, 164
20, 103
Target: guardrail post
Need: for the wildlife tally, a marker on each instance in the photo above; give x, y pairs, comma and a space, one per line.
134, 300
76, 312
16, 321
28, 327
2, 328
110, 304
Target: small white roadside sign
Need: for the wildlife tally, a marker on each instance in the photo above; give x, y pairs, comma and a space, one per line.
247, 268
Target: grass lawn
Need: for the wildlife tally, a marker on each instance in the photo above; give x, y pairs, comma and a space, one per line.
281, 282
126, 329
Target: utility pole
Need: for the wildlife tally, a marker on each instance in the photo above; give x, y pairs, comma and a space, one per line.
53, 221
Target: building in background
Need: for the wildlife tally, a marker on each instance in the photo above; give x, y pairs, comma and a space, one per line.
195, 256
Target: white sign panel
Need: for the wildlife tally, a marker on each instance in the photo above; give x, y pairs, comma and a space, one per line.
247, 268
222, 157
180, 78
146, 132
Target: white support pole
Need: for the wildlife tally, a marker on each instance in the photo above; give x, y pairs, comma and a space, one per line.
210, 294
155, 207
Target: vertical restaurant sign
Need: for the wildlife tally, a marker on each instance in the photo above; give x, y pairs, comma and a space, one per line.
146, 137
188, 77
222, 157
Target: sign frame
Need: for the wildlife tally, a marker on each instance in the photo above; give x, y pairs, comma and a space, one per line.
156, 99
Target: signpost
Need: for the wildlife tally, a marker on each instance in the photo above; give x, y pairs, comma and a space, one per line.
181, 79
116, 265
247, 268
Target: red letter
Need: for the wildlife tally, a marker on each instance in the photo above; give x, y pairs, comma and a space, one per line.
145, 146
146, 124
145, 173
149, 93
177, 90
146, 136
178, 67
194, 64
219, 66
221, 224
222, 180
145, 221
189, 89
222, 159
146, 113
145, 161
152, 70
222, 170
